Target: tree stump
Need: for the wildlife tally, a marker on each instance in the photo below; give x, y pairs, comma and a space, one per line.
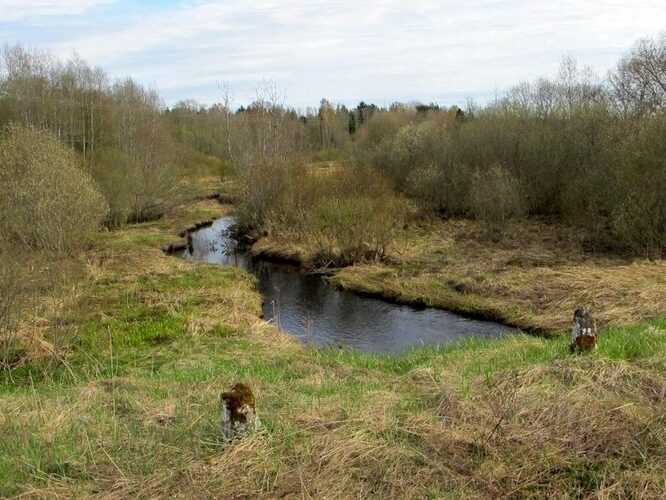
584, 331
237, 411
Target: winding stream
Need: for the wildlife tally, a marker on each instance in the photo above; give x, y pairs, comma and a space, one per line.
316, 312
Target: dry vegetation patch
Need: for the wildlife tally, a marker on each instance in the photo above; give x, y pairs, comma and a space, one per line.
573, 427
533, 278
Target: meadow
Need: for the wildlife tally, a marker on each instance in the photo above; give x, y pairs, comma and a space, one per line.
147, 342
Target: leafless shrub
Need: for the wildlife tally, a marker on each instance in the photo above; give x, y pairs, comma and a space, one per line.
495, 198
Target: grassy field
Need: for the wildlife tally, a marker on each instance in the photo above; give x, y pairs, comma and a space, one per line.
117, 395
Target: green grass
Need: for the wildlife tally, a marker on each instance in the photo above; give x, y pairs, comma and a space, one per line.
110, 416
130, 405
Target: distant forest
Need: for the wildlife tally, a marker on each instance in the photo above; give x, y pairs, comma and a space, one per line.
78, 150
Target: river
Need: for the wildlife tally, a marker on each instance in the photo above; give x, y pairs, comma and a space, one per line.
316, 312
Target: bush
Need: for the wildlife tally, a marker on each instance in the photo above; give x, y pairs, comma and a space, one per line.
355, 216
639, 219
420, 159
345, 230
425, 185
413, 146
115, 174
46, 202
382, 126
263, 188
135, 190
343, 215
640, 222
12, 278
495, 198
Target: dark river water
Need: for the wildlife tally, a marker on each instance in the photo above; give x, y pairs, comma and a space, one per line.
316, 312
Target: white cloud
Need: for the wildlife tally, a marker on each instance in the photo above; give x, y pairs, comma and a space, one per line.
16, 10
351, 50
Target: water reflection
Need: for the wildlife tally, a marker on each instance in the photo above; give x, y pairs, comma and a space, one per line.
314, 311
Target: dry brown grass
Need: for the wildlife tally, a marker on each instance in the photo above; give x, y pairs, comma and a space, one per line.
582, 427
49, 286
533, 279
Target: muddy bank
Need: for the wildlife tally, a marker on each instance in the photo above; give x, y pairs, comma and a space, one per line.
263, 250
185, 242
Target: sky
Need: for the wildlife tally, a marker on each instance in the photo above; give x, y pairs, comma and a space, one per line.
379, 51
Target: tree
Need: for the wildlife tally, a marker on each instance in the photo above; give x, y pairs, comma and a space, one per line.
639, 82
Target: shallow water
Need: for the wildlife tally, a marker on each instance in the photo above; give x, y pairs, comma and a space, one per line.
316, 312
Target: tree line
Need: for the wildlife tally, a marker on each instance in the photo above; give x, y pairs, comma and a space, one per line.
583, 150
586, 151
117, 129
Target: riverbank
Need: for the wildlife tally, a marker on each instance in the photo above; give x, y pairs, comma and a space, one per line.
146, 342
533, 279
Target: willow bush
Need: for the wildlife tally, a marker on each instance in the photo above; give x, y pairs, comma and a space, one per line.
495, 198
135, 189
639, 215
47, 201
345, 230
341, 217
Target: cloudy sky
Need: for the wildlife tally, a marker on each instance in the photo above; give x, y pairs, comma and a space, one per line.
346, 50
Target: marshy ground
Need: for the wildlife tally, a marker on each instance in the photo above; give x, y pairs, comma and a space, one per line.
115, 393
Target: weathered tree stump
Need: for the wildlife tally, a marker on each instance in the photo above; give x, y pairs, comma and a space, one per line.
237, 410
584, 331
